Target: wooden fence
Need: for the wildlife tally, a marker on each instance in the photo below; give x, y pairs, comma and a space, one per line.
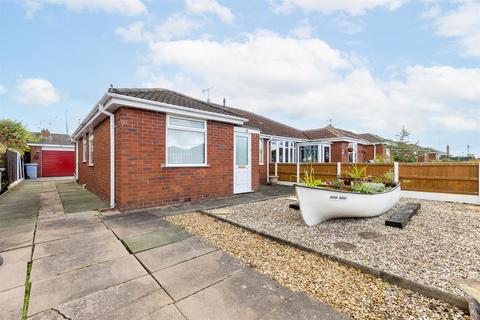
455, 178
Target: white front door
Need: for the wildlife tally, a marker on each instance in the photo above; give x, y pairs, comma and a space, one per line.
242, 164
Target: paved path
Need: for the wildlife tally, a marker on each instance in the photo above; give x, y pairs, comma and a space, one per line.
124, 266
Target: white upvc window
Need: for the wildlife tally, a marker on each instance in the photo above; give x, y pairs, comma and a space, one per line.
84, 149
90, 148
260, 151
186, 142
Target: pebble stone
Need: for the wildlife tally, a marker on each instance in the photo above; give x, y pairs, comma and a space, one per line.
348, 290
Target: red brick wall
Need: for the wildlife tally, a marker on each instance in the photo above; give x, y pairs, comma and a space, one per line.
361, 153
369, 154
143, 181
36, 157
97, 177
339, 151
263, 168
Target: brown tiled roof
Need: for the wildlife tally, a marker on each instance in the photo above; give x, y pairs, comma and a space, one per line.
268, 126
171, 97
54, 138
330, 132
370, 137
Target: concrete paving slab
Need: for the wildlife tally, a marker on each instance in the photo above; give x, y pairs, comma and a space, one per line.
16, 237
140, 308
174, 253
73, 260
125, 220
301, 307
51, 292
66, 231
245, 295
169, 312
127, 295
13, 271
47, 315
155, 239
6, 223
140, 228
11, 303
191, 276
74, 243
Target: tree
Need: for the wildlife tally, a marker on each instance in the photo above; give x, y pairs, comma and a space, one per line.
404, 134
14, 135
405, 151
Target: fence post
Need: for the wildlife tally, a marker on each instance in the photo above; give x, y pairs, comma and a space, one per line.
276, 169
395, 171
298, 164
339, 169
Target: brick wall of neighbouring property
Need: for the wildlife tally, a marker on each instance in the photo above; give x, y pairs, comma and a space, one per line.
339, 152
97, 177
361, 153
143, 180
36, 157
263, 167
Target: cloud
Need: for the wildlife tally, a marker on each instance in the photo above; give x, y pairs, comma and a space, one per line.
354, 8
303, 30
210, 6
308, 80
124, 7
344, 24
36, 91
176, 26
2, 89
462, 24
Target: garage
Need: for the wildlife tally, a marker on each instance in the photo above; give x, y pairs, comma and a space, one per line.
53, 154
57, 163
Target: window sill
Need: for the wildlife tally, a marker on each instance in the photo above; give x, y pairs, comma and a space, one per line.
89, 165
186, 166
84, 161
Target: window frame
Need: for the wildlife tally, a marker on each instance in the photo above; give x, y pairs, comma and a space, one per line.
261, 152
91, 148
203, 130
84, 148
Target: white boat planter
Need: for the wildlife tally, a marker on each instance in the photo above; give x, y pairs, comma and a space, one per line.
319, 204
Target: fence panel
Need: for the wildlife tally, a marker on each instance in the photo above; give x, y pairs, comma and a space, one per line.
373, 169
287, 172
323, 171
12, 166
457, 178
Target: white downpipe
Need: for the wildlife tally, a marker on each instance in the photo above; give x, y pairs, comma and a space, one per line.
112, 154
298, 163
76, 159
268, 159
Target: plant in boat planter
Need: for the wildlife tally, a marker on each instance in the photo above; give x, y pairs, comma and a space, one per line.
355, 173
368, 187
309, 178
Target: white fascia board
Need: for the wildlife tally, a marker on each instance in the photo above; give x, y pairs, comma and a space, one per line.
341, 139
60, 148
273, 137
44, 145
92, 114
118, 100
246, 130
87, 126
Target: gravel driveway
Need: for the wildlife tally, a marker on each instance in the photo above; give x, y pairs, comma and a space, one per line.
440, 243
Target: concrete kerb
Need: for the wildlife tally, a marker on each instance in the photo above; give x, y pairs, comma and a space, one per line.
458, 301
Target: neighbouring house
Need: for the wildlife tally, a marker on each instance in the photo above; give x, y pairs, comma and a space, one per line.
54, 154
429, 154
141, 148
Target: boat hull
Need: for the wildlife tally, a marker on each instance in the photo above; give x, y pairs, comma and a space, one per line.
320, 204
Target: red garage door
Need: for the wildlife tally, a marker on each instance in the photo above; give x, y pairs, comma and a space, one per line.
58, 163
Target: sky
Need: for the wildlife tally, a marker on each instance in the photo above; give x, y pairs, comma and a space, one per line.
366, 66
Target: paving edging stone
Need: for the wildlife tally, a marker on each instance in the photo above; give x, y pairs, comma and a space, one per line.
458, 301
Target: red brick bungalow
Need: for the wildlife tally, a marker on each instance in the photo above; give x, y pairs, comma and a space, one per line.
169, 148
